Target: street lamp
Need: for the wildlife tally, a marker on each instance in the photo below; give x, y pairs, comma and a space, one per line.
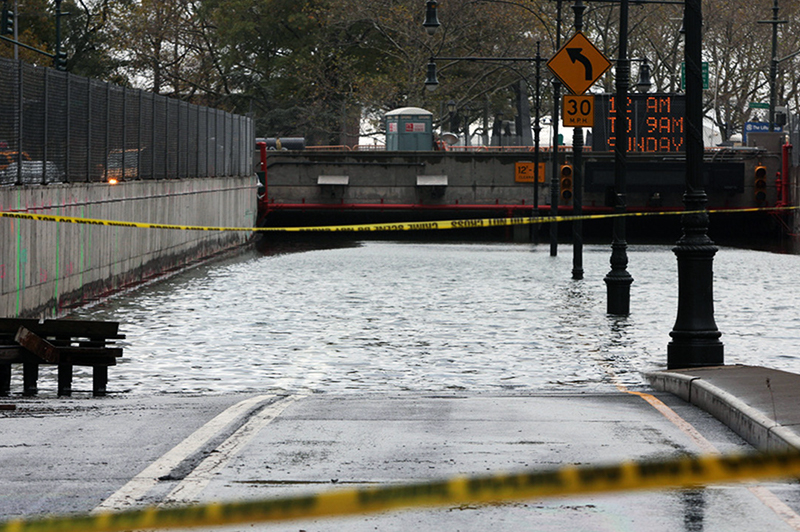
554, 178
431, 23
644, 83
618, 280
467, 122
695, 337
498, 127
453, 117
773, 64
60, 62
430, 81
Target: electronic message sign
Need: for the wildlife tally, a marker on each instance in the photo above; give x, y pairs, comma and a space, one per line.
655, 123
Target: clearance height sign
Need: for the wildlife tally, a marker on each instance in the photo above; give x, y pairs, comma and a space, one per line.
655, 123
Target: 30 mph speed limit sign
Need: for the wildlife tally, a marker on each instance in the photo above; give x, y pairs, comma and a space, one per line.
578, 111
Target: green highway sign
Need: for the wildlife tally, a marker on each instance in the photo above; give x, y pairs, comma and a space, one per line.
758, 105
704, 66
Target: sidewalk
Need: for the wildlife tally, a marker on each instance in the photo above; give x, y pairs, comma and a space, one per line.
759, 404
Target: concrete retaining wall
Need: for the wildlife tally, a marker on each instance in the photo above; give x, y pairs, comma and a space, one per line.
488, 178
47, 267
399, 178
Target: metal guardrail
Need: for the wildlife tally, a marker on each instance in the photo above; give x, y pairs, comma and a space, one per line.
65, 128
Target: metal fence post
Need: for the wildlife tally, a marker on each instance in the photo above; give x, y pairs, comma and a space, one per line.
108, 133
178, 144
21, 111
166, 139
67, 146
153, 137
199, 152
46, 128
89, 131
187, 143
124, 127
139, 139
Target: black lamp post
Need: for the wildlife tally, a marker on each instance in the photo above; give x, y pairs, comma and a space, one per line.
431, 25
695, 337
60, 60
556, 148
618, 280
452, 117
498, 127
773, 64
467, 119
537, 128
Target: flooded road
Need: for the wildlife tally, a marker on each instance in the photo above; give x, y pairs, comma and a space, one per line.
382, 316
509, 363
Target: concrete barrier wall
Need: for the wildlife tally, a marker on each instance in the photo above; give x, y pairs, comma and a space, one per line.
401, 178
47, 267
481, 178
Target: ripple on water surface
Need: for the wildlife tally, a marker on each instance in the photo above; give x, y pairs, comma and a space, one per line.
391, 316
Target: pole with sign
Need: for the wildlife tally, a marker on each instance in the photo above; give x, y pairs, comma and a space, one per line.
704, 67
578, 64
578, 111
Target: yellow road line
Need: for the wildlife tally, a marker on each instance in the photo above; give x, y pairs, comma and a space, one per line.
767, 498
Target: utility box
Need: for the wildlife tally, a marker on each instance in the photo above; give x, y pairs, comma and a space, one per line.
770, 141
409, 129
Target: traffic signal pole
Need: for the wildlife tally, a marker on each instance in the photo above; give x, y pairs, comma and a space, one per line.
9, 27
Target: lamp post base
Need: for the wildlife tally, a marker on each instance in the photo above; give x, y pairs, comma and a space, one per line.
618, 291
618, 280
695, 352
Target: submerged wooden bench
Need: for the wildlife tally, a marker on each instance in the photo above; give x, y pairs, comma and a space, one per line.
65, 343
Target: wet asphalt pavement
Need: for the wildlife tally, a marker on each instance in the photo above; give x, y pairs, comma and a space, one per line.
83, 454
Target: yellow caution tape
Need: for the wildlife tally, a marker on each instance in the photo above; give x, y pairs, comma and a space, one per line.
685, 471
399, 226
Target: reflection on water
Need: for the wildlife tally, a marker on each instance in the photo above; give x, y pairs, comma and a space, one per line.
390, 316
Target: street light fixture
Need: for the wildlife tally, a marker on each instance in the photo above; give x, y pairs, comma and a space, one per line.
773, 64
644, 83
431, 23
431, 82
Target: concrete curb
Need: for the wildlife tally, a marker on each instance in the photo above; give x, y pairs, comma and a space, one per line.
754, 426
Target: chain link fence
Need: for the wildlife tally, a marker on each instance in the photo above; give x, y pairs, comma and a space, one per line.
58, 127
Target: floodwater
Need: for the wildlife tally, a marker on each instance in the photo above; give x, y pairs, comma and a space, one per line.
386, 316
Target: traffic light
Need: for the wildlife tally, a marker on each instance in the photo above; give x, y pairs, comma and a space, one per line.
7, 22
760, 183
566, 182
61, 60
